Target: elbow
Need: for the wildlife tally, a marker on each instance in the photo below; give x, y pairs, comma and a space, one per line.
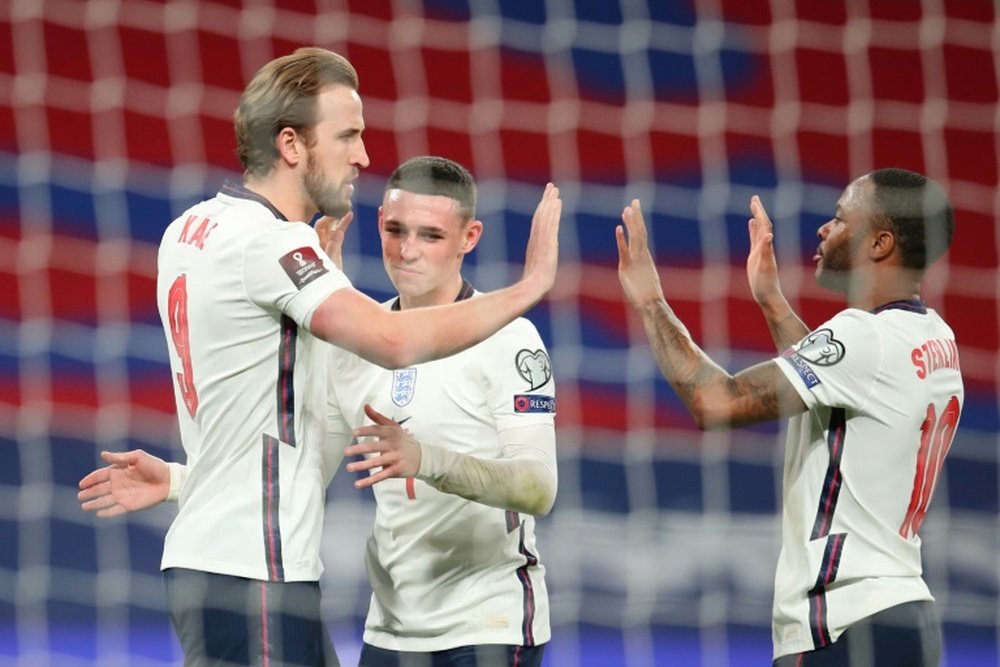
543, 506
707, 416
392, 353
540, 495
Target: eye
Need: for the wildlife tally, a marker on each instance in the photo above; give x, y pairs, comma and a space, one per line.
431, 236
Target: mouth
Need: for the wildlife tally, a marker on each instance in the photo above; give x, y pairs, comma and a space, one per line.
817, 256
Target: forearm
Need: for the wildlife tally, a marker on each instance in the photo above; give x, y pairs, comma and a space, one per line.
785, 326
524, 480
715, 398
415, 335
440, 331
692, 373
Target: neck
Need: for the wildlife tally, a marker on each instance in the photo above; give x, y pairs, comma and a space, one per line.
284, 193
887, 286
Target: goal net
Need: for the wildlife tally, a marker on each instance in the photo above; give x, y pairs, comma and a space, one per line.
115, 116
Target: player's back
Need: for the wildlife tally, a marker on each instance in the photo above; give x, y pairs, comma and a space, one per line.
234, 281
885, 393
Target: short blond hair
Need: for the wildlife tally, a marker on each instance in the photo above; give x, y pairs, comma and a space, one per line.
283, 94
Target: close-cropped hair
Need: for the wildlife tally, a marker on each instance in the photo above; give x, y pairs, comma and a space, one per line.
917, 211
433, 175
283, 94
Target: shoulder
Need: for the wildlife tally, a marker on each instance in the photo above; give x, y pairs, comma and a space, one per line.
850, 322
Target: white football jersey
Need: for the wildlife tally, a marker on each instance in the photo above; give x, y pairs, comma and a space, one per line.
236, 287
884, 392
446, 571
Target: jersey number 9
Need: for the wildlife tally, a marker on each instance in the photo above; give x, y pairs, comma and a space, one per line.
177, 313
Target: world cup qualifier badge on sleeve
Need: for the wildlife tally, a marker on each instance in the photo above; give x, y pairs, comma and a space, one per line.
303, 266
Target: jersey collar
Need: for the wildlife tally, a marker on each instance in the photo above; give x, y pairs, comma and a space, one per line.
909, 305
463, 294
236, 190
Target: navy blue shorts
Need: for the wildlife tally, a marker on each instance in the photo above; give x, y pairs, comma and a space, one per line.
224, 621
907, 635
481, 655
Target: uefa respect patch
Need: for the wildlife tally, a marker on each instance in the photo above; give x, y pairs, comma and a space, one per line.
805, 372
303, 266
525, 403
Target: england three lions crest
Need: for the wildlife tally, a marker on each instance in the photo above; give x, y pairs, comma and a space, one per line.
404, 384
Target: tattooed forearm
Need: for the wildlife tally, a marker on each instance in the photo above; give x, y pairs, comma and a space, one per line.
712, 396
685, 365
785, 326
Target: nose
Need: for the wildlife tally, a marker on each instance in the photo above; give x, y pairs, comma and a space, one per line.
408, 247
361, 158
823, 230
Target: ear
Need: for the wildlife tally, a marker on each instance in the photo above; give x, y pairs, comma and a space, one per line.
381, 220
471, 234
289, 146
883, 245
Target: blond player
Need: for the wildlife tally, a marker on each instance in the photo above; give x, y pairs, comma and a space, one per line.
249, 301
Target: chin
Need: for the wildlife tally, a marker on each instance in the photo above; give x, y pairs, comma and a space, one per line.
836, 281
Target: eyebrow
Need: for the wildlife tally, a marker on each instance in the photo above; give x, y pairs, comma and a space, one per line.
422, 228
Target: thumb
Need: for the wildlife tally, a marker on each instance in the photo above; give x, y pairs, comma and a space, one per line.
118, 458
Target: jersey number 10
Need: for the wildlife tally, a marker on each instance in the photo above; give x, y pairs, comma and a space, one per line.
178, 315
936, 435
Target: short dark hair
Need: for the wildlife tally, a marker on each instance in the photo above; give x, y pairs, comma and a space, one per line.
283, 94
433, 175
917, 211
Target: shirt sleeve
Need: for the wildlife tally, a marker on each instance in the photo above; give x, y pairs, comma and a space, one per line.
837, 364
286, 270
518, 376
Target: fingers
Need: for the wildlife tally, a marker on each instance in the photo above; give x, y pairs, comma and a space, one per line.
763, 222
759, 227
370, 480
635, 224
99, 503
94, 478
323, 226
345, 222
381, 461
121, 458
376, 417
95, 489
550, 205
622, 244
116, 510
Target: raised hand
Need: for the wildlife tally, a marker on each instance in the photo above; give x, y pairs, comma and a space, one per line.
636, 269
331, 232
133, 481
762, 267
541, 257
394, 449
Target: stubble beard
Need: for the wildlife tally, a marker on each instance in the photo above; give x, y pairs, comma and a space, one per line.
328, 199
834, 271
